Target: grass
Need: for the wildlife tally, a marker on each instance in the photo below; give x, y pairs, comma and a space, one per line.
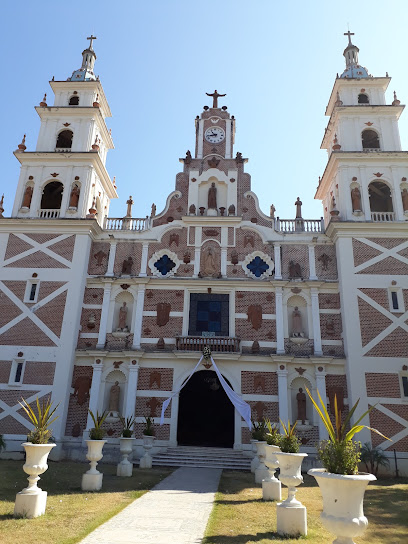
71, 513
240, 516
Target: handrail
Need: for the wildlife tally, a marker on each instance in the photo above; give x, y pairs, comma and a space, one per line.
128, 223
226, 344
299, 225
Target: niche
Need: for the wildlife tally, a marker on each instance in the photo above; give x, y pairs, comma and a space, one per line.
113, 398
212, 200
297, 320
301, 405
122, 314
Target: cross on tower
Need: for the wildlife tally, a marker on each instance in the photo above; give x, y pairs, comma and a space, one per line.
92, 38
349, 34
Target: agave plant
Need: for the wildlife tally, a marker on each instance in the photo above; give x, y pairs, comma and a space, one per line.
149, 430
41, 420
127, 426
339, 454
273, 437
289, 442
258, 430
97, 433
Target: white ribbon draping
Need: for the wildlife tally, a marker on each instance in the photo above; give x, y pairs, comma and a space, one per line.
167, 401
240, 405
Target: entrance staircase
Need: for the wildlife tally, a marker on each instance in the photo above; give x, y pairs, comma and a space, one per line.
191, 456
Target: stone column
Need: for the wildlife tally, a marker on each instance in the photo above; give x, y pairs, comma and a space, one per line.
224, 262
111, 261
278, 265
174, 406
280, 335
312, 263
316, 322
143, 262
197, 257
283, 394
97, 368
103, 326
130, 397
321, 387
138, 317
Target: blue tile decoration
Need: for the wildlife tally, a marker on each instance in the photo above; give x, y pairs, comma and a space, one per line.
257, 266
164, 265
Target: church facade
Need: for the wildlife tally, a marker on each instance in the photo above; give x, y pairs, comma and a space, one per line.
113, 313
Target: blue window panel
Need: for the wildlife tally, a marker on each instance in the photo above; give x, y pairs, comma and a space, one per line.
164, 265
257, 266
202, 315
214, 326
214, 306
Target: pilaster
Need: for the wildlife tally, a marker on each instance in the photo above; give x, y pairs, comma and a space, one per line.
112, 255
143, 262
312, 263
283, 395
321, 387
317, 338
278, 265
130, 398
103, 326
97, 369
280, 338
138, 317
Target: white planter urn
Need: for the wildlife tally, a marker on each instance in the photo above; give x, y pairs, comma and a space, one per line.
271, 486
92, 479
343, 497
146, 461
255, 461
291, 514
125, 467
32, 500
261, 470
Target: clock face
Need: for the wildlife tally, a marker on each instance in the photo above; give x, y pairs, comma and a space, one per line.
214, 135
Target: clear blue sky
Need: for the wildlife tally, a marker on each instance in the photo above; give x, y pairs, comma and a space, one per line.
276, 61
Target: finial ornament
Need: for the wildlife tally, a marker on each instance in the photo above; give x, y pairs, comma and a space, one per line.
215, 95
1, 207
396, 102
43, 103
22, 147
91, 38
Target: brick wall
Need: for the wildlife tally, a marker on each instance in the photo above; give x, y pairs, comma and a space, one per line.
97, 248
330, 326
382, 385
86, 313
330, 271
25, 333
393, 345
93, 295
269, 410
329, 301
146, 408
154, 296
372, 322
5, 369
64, 248
39, 373
124, 250
78, 413
298, 254
148, 379
336, 380
259, 383
388, 426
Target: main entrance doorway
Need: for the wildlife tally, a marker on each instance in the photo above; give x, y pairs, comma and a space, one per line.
206, 415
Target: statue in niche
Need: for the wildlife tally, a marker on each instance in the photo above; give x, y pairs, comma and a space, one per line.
212, 197
298, 205
74, 197
356, 199
294, 270
297, 328
28, 195
255, 316
404, 196
123, 311
209, 267
82, 386
301, 406
153, 211
127, 266
163, 313
114, 397
325, 260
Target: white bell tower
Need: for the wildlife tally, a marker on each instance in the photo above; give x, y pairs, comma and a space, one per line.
66, 176
366, 172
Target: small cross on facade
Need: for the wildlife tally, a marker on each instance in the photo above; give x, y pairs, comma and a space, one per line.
349, 34
92, 38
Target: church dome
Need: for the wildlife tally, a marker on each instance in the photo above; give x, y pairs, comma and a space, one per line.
355, 71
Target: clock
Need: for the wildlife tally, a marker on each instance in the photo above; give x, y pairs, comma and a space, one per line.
214, 135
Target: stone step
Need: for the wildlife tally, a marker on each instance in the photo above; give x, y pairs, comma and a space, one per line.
224, 466
225, 458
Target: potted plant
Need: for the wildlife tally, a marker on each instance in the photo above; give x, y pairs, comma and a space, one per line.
31, 501
341, 485
125, 467
271, 486
259, 434
92, 479
148, 439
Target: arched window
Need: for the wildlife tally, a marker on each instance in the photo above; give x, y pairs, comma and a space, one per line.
363, 99
52, 196
74, 101
370, 139
64, 140
380, 197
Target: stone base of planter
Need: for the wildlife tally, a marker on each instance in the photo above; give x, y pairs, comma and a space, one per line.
124, 469
261, 473
92, 482
291, 520
254, 464
146, 461
271, 490
30, 505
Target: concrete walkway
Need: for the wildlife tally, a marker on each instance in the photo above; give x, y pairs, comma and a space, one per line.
175, 511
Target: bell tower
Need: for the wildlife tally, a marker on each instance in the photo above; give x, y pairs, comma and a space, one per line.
366, 174
66, 176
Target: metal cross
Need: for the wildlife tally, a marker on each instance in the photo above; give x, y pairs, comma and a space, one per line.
349, 34
92, 38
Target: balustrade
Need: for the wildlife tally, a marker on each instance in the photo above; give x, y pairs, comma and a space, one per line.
299, 225
50, 214
128, 223
379, 217
224, 344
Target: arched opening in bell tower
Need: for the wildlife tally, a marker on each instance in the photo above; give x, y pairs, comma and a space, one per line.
380, 197
64, 140
363, 99
52, 196
369, 139
206, 415
74, 101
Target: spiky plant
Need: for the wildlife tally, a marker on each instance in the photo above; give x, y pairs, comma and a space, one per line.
127, 426
97, 433
41, 420
149, 429
289, 442
258, 430
373, 458
273, 437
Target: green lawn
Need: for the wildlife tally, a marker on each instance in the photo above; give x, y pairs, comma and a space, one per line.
71, 513
240, 516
